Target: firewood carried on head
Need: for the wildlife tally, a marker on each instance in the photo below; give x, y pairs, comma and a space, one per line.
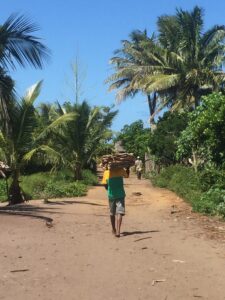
118, 160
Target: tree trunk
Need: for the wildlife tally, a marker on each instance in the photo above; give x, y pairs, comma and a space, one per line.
15, 192
4, 116
196, 99
77, 171
195, 161
152, 106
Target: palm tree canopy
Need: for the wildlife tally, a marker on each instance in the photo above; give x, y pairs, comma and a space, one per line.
180, 64
202, 53
82, 135
19, 45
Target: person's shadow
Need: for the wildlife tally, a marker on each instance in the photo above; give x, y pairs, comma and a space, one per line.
125, 233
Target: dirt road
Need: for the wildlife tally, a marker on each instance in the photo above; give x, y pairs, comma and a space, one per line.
165, 251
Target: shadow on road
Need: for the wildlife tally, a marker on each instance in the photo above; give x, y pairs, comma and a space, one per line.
73, 202
125, 233
27, 214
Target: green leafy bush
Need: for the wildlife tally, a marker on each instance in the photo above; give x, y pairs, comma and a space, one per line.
135, 138
89, 178
220, 209
64, 189
3, 194
211, 202
182, 180
204, 190
212, 177
57, 184
33, 185
205, 132
162, 142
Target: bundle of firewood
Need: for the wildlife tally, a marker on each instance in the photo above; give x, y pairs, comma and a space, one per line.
119, 160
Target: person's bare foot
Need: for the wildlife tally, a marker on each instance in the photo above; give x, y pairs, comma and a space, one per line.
114, 232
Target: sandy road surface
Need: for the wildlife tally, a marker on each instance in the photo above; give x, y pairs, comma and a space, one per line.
165, 252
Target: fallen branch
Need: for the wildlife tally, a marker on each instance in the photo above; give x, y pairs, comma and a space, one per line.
157, 280
21, 270
145, 238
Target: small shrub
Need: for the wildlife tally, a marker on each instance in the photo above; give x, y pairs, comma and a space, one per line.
220, 209
64, 189
54, 185
211, 202
64, 174
182, 180
75, 189
89, 178
212, 177
33, 185
3, 194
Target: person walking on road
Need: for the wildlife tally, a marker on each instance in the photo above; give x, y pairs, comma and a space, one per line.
113, 182
138, 167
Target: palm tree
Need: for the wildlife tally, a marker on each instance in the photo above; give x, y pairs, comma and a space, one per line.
82, 136
21, 144
17, 47
131, 63
179, 66
193, 59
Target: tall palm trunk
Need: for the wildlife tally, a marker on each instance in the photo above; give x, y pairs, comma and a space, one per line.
152, 100
6, 99
15, 192
78, 171
196, 99
4, 115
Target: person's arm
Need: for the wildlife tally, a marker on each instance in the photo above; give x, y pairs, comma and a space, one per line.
124, 174
104, 179
128, 172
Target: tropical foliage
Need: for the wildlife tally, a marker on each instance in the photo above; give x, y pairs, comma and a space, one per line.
205, 133
77, 142
163, 139
20, 144
131, 63
17, 47
135, 138
176, 66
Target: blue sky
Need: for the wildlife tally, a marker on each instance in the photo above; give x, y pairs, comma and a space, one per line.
93, 30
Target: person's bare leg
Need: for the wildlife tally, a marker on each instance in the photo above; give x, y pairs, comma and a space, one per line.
119, 219
113, 223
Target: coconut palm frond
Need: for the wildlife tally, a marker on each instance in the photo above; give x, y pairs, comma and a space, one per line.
3, 142
126, 92
32, 93
118, 84
17, 43
92, 116
25, 118
161, 82
57, 123
51, 155
213, 36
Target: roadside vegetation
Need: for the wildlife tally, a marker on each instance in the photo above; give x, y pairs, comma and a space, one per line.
51, 149
179, 68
